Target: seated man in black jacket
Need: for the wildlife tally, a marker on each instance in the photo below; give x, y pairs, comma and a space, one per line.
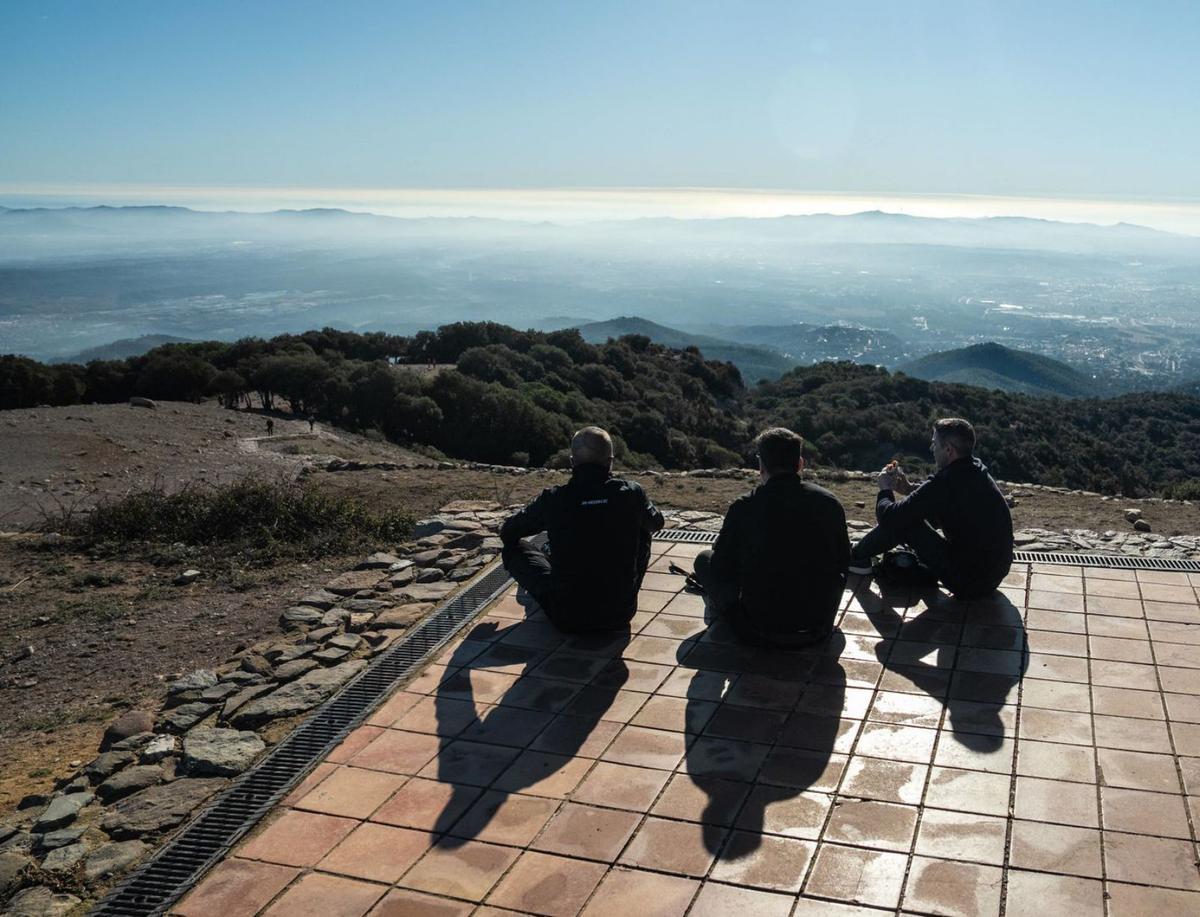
778, 568
599, 530
974, 550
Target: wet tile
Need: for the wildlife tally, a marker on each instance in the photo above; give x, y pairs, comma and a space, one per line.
588, 832
1066, 622
541, 883
699, 684
317, 895
896, 743
236, 888
643, 747
1056, 726
1117, 607
972, 754
400, 902
1139, 812
968, 791
426, 804
438, 716
1151, 861
861, 876
745, 724
376, 852
774, 811
1138, 771
477, 685
1127, 702
542, 774
984, 687
890, 781
1127, 628
1056, 848
1121, 650
1057, 668
1057, 801
674, 714
398, 752
709, 757
633, 675
509, 726
544, 694
1121, 674
1056, 762
953, 889
1139, 901
598, 703
460, 870
621, 786
802, 768
669, 846
718, 900
906, 709
1058, 644
648, 894
765, 693
819, 733
297, 838
1056, 601
764, 861
471, 763
962, 835
1035, 894
869, 823
354, 792
711, 800
576, 667
505, 818
1132, 734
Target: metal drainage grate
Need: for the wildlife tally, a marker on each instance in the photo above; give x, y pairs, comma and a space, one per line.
176, 868
1109, 561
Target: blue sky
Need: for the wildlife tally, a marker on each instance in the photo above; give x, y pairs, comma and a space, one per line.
1095, 101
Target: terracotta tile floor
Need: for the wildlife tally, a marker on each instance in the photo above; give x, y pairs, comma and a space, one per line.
1035, 753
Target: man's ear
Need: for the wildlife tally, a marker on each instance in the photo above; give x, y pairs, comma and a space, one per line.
800, 464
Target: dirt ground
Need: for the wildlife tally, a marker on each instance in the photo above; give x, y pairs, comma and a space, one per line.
85, 638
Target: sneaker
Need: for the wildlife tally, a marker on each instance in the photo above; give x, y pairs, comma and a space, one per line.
861, 566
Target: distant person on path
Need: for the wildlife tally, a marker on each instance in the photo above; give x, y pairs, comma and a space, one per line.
311, 423
778, 568
270, 427
599, 529
974, 550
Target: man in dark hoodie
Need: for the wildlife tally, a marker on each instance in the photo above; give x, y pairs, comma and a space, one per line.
974, 550
599, 530
778, 567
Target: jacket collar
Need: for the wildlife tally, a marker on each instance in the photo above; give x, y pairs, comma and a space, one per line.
590, 474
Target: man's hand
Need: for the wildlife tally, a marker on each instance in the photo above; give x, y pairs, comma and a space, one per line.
901, 484
887, 478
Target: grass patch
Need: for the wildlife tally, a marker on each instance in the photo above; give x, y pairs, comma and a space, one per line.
261, 519
96, 580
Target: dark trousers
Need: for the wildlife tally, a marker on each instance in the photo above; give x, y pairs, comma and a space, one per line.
570, 609
724, 599
933, 551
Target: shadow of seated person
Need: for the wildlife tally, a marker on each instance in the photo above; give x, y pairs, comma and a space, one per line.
968, 654
757, 751
519, 702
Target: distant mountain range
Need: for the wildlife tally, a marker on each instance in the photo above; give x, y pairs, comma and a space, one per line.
124, 348
998, 367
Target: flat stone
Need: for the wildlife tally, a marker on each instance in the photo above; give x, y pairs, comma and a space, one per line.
361, 619
423, 528
184, 717
220, 752
330, 655
129, 781
244, 679
401, 617
300, 614
41, 901
186, 578
113, 859
367, 605
219, 692
244, 697
424, 592
354, 580
294, 669
107, 764
424, 558
158, 808
404, 577
158, 748
21, 842
1141, 525
255, 664
319, 599
193, 681
12, 864
63, 859
60, 838
61, 812
346, 641
298, 696
379, 560
429, 575
286, 652
11, 824
335, 618
129, 723
321, 634
462, 574
470, 506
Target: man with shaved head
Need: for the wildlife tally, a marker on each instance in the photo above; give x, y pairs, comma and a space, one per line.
598, 528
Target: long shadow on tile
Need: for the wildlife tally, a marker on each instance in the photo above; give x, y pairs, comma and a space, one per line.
507, 730
728, 771
969, 654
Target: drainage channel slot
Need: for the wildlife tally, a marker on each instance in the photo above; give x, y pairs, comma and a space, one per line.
176, 868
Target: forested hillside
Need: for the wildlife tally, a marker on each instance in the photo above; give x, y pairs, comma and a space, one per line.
515, 397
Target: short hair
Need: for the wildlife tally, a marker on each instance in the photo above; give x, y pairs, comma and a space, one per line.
779, 449
591, 446
956, 432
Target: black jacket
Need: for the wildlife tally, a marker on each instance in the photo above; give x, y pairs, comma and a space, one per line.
598, 527
966, 504
786, 547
